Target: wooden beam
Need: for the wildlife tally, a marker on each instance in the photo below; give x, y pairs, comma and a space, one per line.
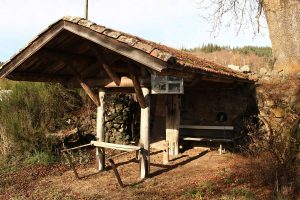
137, 86
36, 77
104, 63
117, 46
107, 83
53, 54
138, 90
230, 128
172, 123
84, 86
145, 135
121, 147
100, 134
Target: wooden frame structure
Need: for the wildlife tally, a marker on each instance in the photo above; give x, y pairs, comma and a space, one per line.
79, 53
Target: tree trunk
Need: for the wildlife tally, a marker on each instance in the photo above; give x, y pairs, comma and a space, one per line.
283, 18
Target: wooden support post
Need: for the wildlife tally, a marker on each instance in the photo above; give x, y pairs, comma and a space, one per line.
145, 136
173, 123
166, 153
100, 152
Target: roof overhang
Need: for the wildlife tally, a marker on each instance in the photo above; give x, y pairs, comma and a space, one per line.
74, 48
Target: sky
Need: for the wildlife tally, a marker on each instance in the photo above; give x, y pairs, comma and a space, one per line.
176, 23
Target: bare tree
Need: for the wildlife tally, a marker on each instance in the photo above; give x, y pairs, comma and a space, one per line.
283, 19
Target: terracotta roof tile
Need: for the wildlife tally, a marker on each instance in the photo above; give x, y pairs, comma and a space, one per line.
176, 58
111, 33
162, 52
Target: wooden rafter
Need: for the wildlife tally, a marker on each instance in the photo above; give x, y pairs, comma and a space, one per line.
85, 87
38, 77
137, 86
67, 57
104, 63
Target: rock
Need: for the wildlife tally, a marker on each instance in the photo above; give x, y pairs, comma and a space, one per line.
245, 69
234, 67
278, 112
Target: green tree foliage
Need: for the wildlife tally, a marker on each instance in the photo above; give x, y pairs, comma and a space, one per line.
210, 48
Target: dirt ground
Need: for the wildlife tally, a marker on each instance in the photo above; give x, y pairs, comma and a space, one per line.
182, 178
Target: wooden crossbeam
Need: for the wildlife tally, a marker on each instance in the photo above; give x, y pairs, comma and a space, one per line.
65, 56
85, 87
138, 90
34, 77
104, 63
137, 86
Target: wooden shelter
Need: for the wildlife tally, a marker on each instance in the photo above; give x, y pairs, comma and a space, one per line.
79, 53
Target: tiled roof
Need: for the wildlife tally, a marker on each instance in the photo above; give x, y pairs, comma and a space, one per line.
176, 59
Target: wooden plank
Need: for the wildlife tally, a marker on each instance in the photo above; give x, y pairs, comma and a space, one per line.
145, 135
206, 139
34, 77
172, 123
33, 47
100, 131
116, 172
104, 63
116, 46
107, 83
120, 147
54, 54
230, 128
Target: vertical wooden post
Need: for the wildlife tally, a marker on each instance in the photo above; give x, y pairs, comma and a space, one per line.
145, 136
100, 152
86, 9
173, 123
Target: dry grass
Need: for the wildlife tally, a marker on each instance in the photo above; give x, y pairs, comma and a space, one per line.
227, 57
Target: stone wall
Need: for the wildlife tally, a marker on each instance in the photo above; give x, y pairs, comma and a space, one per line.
119, 114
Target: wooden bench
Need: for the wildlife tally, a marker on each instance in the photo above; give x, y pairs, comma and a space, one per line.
224, 138
121, 147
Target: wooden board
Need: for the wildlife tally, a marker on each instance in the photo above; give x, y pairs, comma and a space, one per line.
230, 128
120, 147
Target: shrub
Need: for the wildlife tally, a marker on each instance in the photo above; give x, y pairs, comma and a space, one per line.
29, 112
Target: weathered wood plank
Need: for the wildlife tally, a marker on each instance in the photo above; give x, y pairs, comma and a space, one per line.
207, 127
34, 77
120, 147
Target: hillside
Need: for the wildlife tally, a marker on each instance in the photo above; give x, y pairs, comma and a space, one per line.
255, 57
